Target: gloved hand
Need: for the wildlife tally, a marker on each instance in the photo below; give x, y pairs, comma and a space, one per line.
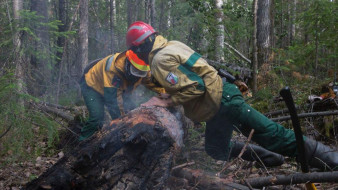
156, 101
164, 96
242, 87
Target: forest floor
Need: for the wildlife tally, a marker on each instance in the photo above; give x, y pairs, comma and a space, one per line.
14, 175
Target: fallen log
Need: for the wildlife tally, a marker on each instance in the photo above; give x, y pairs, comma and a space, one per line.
304, 115
316, 177
134, 152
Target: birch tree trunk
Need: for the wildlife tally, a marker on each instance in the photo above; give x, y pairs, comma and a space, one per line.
264, 31
293, 19
254, 57
113, 41
219, 42
169, 20
292, 28
19, 63
83, 38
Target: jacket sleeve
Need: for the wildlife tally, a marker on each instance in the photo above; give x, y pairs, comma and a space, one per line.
148, 82
180, 81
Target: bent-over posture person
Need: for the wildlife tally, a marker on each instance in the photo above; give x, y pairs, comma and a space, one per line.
192, 82
106, 81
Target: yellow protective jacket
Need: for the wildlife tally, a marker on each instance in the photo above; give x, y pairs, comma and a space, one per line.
187, 77
109, 73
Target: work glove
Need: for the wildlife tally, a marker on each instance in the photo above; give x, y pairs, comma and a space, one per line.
242, 87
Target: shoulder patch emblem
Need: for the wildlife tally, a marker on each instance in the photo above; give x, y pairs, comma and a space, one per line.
172, 78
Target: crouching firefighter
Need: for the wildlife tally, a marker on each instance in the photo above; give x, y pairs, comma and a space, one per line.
107, 82
192, 82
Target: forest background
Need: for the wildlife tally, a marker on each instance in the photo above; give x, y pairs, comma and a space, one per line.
45, 45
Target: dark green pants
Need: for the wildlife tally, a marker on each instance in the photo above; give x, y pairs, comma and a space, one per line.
234, 113
95, 103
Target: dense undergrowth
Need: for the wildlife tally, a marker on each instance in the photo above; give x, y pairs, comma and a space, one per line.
25, 132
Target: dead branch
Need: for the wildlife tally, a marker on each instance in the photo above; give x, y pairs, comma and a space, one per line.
304, 115
183, 165
237, 53
56, 106
204, 180
56, 112
298, 178
240, 154
277, 112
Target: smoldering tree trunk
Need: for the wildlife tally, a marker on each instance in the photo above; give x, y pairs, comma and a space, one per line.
219, 42
264, 31
134, 152
83, 38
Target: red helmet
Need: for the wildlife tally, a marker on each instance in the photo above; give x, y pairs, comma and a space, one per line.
138, 32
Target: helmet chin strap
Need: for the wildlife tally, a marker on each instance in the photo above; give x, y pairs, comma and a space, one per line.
129, 76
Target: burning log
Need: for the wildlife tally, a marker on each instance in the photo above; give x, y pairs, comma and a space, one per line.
134, 152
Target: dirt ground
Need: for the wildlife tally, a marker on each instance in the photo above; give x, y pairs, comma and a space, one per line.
14, 176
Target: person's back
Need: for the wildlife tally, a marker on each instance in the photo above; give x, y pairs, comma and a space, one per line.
192, 82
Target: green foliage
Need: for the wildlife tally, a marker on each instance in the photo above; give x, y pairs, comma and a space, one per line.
26, 128
317, 53
30, 24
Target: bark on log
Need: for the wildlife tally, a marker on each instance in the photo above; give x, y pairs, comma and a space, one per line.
134, 152
322, 177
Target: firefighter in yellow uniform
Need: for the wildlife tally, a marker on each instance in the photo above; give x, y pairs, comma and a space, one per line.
106, 81
192, 82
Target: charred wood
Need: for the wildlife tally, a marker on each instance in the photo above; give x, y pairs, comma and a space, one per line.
134, 152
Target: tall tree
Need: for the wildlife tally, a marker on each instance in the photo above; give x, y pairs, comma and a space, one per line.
62, 16
264, 31
19, 67
153, 12
130, 11
113, 33
41, 59
83, 38
254, 49
219, 42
